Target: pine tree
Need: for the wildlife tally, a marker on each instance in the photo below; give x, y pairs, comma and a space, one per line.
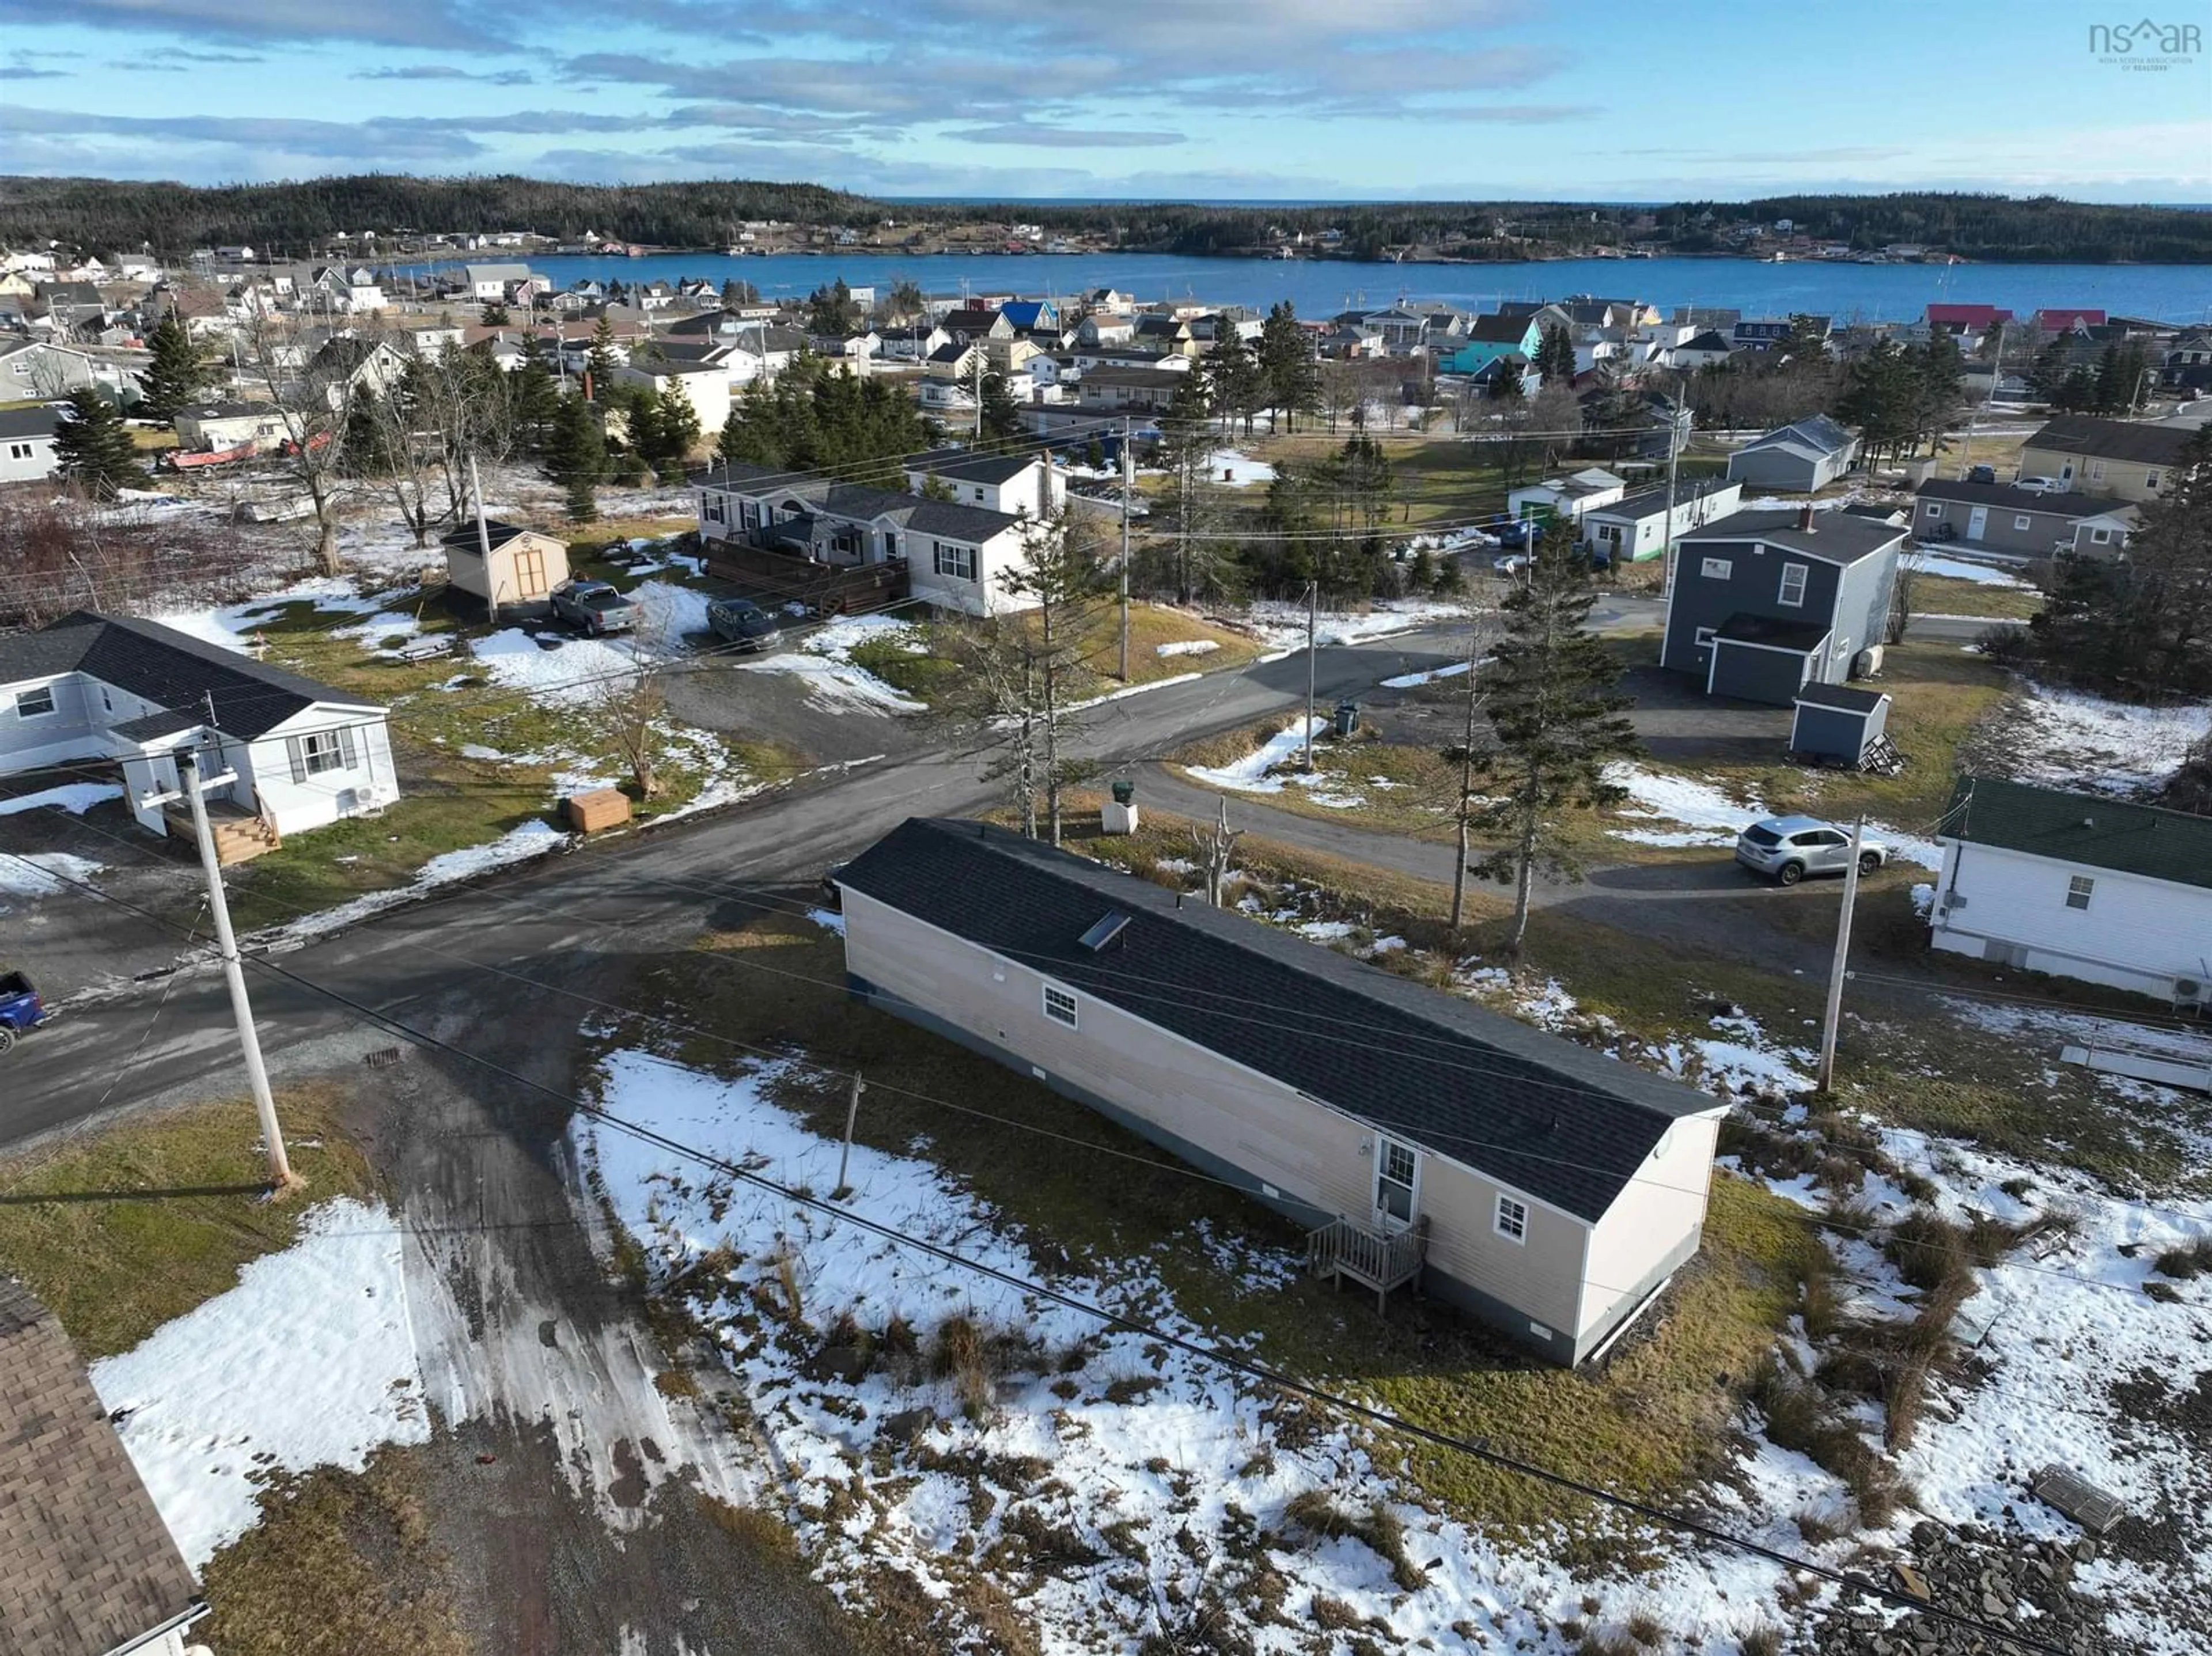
1558, 719
1290, 376
178, 375
1059, 581
495, 316
1002, 413
602, 359
1233, 378
93, 447
536, 396
1509, 386
576, 456
1186, 449
1555, 355
670, 434
832, 312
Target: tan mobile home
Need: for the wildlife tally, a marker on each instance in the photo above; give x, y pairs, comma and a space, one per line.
1422, 1139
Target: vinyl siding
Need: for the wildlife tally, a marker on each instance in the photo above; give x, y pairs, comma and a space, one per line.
1303, 1150
2122, 480
328, 796
1662, 1210
77, 728
2136, 933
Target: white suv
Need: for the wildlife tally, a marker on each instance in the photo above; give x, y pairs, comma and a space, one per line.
1787, 848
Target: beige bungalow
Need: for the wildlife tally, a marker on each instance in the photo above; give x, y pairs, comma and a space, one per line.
1547, 1190
524, 568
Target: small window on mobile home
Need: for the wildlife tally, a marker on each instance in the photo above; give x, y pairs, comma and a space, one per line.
2078, 889
1059, 1005
1512, 1219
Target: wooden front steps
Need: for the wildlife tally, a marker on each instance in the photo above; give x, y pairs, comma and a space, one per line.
239, 834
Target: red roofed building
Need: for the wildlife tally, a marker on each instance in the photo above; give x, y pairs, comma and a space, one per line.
1966, 319
2066, 321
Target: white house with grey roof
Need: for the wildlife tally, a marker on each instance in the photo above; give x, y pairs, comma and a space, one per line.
115, 690
1421, 1139
26, 443
1644, 525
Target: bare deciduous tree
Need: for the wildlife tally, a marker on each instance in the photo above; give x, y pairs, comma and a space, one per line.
315, 382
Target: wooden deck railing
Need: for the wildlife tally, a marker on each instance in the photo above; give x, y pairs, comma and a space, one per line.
828, 589
1381, 1260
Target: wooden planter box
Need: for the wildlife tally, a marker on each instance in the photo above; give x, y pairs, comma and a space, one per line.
601, 808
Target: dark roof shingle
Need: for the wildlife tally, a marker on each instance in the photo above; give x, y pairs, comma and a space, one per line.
86, 1565
2112, 439
1566, 1124
1836, 537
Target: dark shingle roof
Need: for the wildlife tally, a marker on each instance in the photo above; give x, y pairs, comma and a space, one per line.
1744, 628
1565, 1123
1499, 329
1654, 503
1836, 537
2112, 439
1842, 698
177, 671
959, 523
2079, 828
463, 538
86, 1564
29, 423
2019, 500
971, 467
1134, 378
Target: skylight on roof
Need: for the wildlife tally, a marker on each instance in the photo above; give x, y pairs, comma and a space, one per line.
1109, 926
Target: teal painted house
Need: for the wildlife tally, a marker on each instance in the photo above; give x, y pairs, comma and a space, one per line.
1490, 337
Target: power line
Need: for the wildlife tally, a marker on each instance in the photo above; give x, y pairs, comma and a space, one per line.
1230, 1362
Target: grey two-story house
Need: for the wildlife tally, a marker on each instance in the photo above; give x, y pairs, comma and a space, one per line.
1764, 602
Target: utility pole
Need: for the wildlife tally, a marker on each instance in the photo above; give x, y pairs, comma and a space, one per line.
1465, 786
1675, 438
1313, 620
1128, 486
852, 1117
483, 545
1826, 1078
279, 1168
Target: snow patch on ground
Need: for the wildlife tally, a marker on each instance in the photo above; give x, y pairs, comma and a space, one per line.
2072, 739
823, 663
1233, 470
572, 673
1716, 816
308, 1362
1189, 647
1981, 574
74, 797
1408, 681
1251, 774
1281, 623
38, 874
533, 838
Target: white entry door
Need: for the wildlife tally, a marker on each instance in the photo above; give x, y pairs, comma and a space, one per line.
1397, 1184
1977, 521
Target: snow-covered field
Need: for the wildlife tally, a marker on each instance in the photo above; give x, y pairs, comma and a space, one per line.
823, 663
309, 1361
2071, 739
1234, 470
1282, 624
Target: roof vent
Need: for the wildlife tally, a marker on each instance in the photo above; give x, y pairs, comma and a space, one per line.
1110, 925
2088, 821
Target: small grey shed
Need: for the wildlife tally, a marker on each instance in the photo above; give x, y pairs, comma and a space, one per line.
1837, 724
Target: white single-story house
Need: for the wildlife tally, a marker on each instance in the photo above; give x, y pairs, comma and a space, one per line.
26, 443
1024, 481
756, 522
2077, 885
86, 1566
135, 693
1644, 525
213, 426
1423, 1140
1568, 497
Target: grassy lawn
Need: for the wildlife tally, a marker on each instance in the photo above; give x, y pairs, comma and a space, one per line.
1947, 595
449, 800
931, 677
339, 1564
1653, 1423
123, 1230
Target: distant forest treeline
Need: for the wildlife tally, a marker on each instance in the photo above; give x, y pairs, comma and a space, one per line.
105, 215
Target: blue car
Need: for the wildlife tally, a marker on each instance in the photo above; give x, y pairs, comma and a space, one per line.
20, 1009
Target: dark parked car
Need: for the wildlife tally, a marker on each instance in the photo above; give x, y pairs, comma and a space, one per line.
1787, 848
593, 606
1981, 474
744, 624
20, 1009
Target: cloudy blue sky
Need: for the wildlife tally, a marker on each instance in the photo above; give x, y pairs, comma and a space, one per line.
1286, 99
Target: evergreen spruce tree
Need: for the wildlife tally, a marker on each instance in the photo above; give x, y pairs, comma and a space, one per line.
601, 361
576, 456
1555, 356
1234, 380
1509, 386
495, 316
1559, 718
179, 375
1291, 374
93, 447
1002, 413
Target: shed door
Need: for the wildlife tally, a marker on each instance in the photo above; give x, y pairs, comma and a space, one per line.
1977, 521
530, 571
1397, 1183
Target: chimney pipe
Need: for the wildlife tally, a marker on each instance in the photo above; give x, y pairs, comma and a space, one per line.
1805, 518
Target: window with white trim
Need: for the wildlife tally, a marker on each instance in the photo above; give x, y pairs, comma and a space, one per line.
2078, 889
1060, 1004
1704, 637
2151, 480
956, 562
1792, 594
1934, 509
34, 704
2023, 521
320, 752
19, 451
1716, 568
2096, 471
1512, 1220
2101, 537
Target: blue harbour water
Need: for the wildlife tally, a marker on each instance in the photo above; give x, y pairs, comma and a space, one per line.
2178, 293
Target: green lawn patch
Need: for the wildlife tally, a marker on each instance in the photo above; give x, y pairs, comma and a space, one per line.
1947, 595
121, 1231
